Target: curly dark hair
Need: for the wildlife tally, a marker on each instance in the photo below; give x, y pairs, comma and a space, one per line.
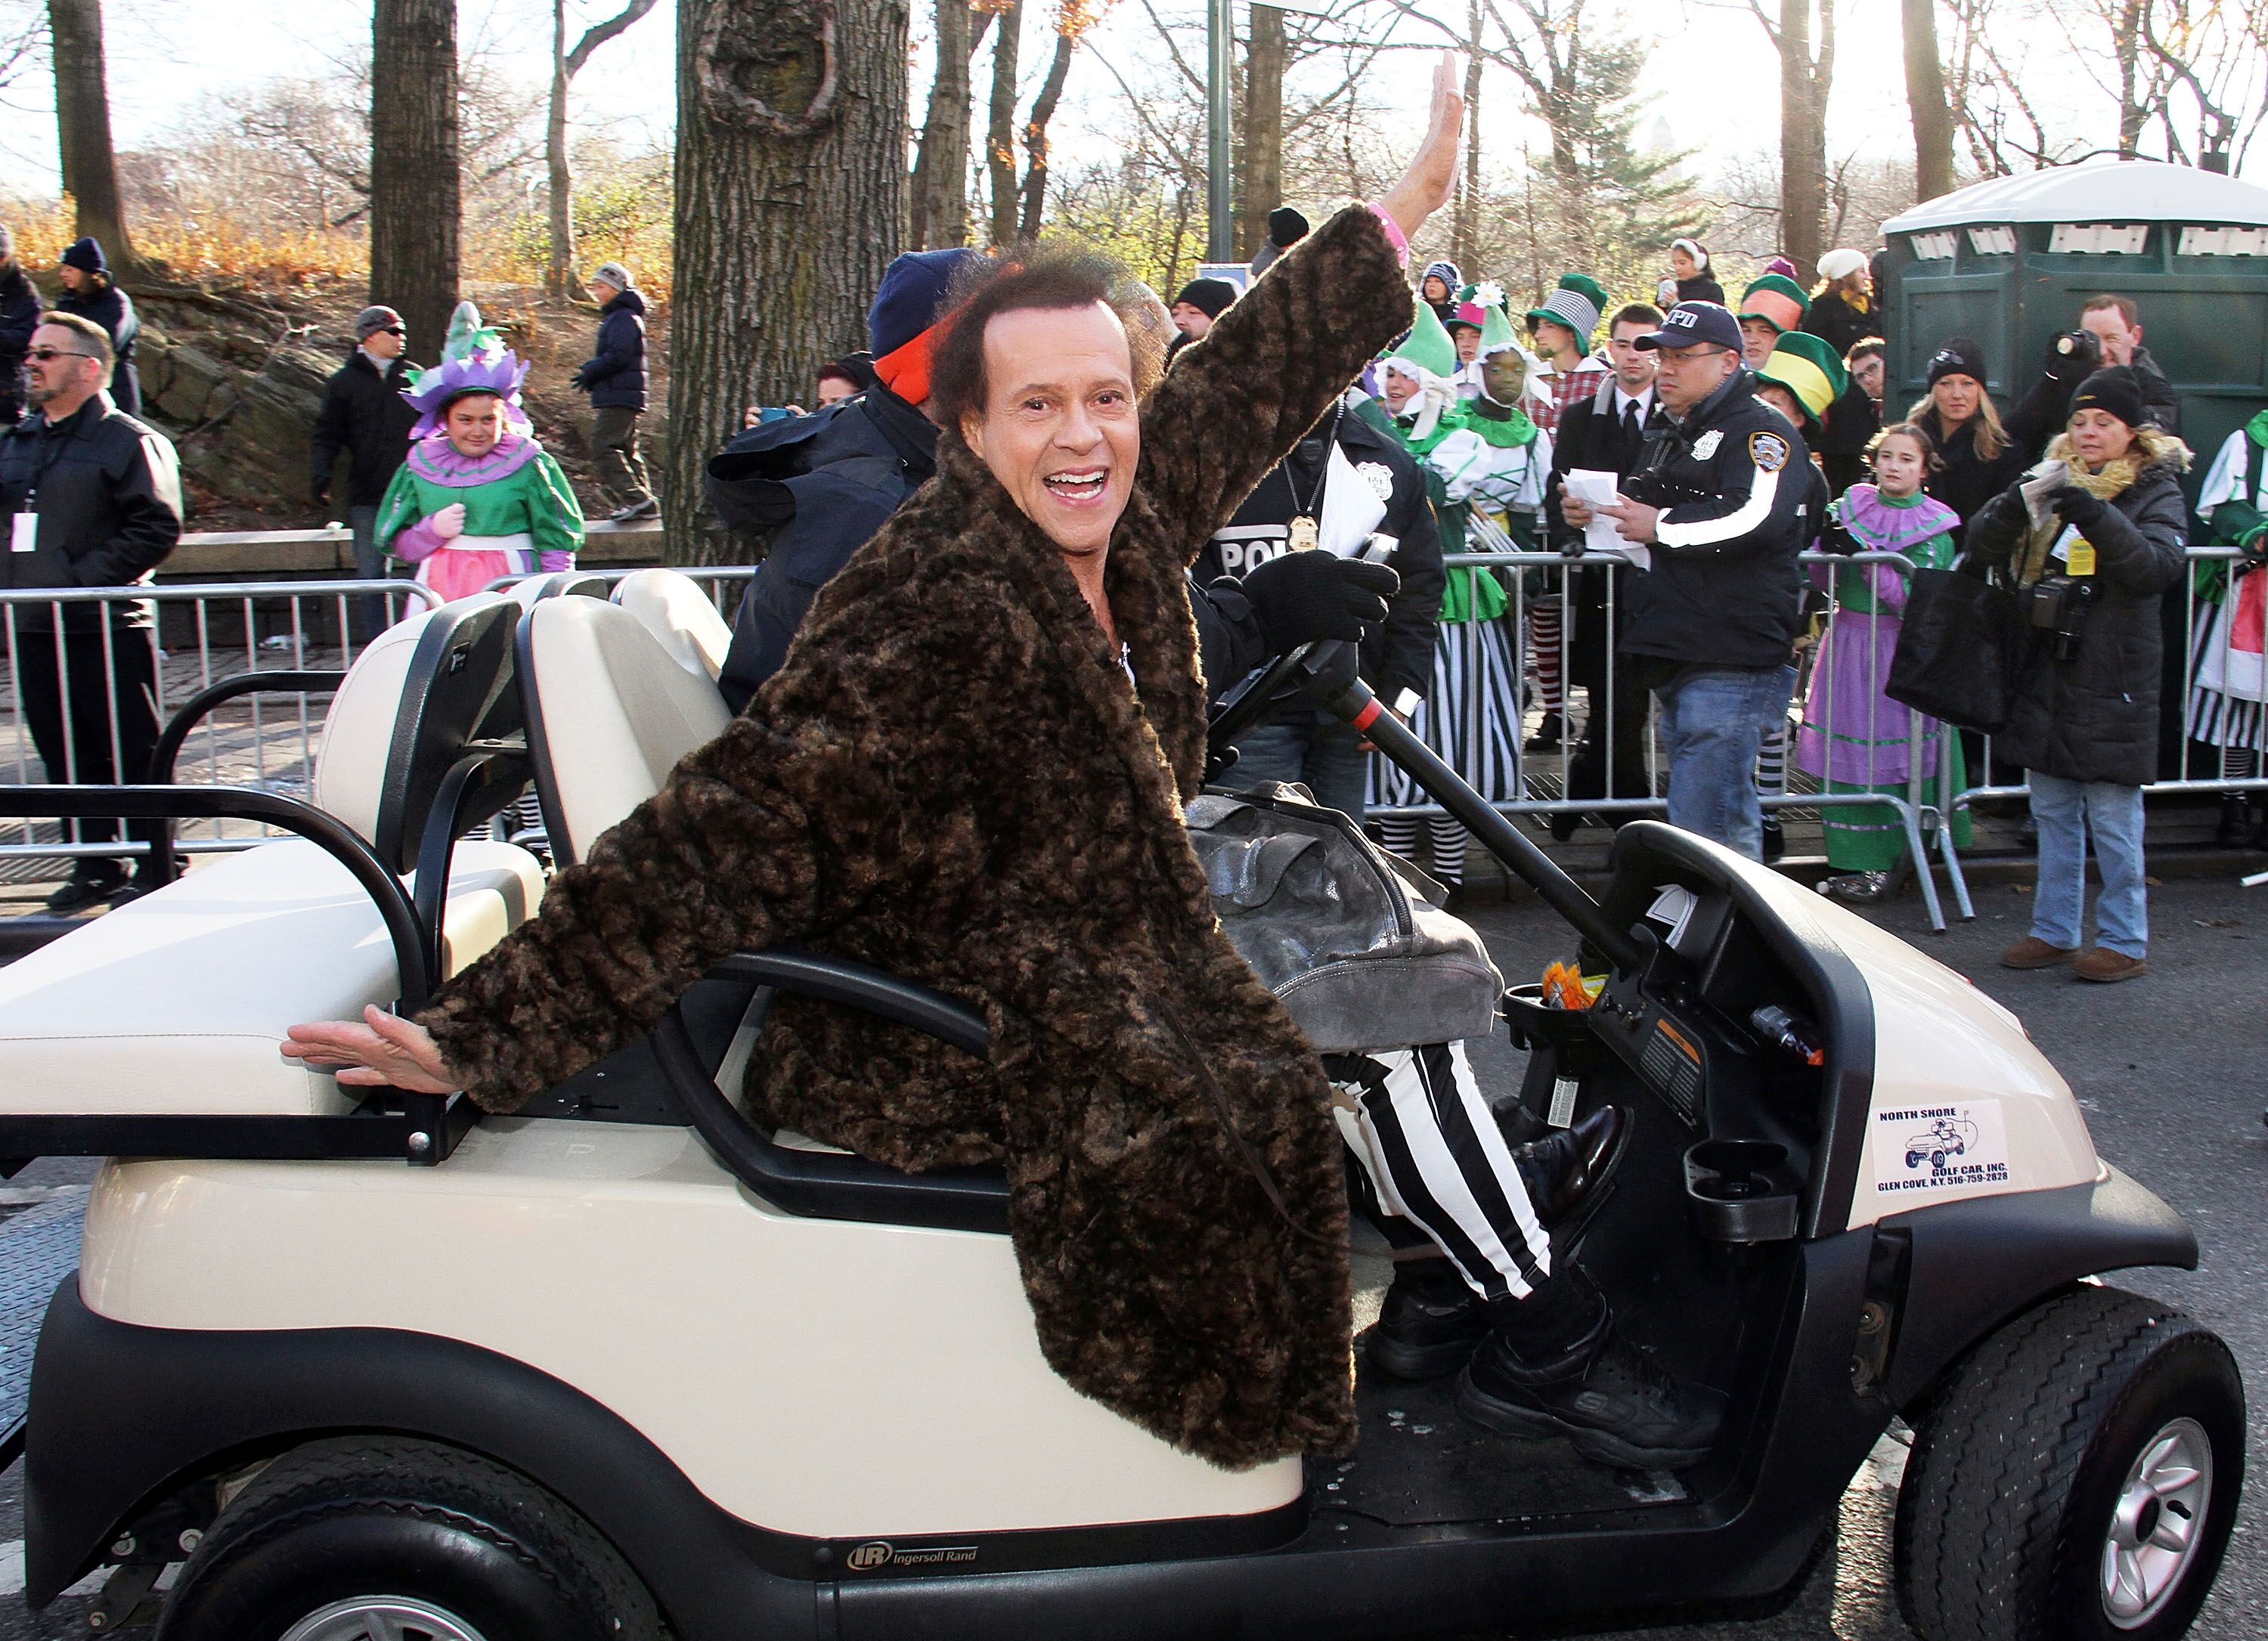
1046, 276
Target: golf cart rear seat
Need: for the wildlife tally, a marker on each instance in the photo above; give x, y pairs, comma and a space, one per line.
174, 1005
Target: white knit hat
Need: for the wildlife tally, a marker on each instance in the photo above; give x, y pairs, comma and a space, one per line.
1841, 264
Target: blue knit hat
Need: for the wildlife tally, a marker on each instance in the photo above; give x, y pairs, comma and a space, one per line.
85, 254
912, 296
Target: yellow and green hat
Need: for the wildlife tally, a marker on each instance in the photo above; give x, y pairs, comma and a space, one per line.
1807, 367
1776, 299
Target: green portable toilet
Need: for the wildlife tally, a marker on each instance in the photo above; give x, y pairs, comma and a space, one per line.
2009, 262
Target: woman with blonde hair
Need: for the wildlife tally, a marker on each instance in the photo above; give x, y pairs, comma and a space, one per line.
1977, 459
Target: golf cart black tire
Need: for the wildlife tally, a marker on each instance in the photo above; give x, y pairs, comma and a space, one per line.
2019, 1456
382, 1516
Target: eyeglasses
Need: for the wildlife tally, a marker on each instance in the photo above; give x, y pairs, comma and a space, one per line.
44, 354
392, 330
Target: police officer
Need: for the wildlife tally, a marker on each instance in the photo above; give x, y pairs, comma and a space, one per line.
1342, 485
1721, 505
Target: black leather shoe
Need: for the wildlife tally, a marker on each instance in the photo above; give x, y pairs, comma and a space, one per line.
2235, 828
1548, 730
82, 894
1562, 1170
1429, 1324
1564, 823
1614, 1401
1775, 840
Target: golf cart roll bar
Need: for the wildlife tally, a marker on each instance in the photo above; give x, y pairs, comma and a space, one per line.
826, 1184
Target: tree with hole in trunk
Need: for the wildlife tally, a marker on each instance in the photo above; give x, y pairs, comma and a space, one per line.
790, 186
90, 167
415, 207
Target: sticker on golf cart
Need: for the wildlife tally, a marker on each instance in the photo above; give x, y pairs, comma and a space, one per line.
1939, 1148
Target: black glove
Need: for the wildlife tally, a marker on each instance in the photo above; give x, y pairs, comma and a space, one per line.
1300, 597
2072, 355
1836, 537
2076, 508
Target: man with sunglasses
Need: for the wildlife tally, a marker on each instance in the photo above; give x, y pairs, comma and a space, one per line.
89, 498
365, 415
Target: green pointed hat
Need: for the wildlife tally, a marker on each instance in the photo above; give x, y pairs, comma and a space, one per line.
1806, 365
1496, 329
1577, 304
1427, 347
1776, 299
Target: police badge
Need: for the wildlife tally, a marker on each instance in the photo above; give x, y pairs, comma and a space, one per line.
1705, 447
1379, 476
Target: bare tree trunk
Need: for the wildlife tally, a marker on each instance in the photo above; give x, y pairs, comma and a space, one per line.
1000, 135
791, 183
1261, 183
1464, 232
2126, 42
413, 209
1035, 137
565, 65
1802, 133
1925, 101
90, 167
939, 201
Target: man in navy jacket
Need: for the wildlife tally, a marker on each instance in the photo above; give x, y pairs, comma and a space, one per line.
614, 377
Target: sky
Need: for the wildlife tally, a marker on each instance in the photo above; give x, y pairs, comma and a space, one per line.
1716, 76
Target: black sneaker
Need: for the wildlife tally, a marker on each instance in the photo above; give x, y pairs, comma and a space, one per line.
630, 511
1429, 1324
1775, 840
1614, 1401
82, 893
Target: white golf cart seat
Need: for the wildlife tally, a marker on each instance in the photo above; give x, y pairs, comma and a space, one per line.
174, 1004
611, 710
680, 615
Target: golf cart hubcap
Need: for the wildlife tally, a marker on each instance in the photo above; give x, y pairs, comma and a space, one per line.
2157, 1523
381, 1618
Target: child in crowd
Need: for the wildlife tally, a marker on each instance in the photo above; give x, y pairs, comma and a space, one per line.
478, 497
1854, 738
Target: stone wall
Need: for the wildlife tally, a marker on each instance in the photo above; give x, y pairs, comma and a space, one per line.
238, 409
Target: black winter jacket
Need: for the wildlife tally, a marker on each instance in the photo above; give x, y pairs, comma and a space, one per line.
19, 316
108, 496
112, 309
1832, 318
1398, 653
2095, 716
1701, 288
1591, 436
823, 484
1725, 589
365, 415
2045, 408
1966, 480
615, 375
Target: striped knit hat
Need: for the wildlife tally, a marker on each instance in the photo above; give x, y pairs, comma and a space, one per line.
1807, 367
1776, 299
1577, 304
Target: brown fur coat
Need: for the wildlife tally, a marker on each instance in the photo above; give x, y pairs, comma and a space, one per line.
951, 778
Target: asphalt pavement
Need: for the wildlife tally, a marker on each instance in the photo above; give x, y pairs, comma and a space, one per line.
2172, 1070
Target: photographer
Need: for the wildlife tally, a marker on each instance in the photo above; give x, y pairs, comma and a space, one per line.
2109, 333
2091, 538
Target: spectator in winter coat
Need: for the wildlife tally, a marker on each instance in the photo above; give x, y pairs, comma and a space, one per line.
1854, 419
2094, 535
1286, 227
364, 416
90, 293
2109, 333
1842, 312
89, 498
1772, 305
19, 315
1201, 302
1690, 279
1439, 286
614, 377
1977, 460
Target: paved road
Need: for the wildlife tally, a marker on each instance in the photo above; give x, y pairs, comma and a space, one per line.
2172, 1071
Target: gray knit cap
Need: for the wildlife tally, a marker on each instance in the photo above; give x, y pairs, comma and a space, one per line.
371, 320
612, 274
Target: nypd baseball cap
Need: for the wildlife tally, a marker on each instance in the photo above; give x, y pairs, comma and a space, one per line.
1694, 324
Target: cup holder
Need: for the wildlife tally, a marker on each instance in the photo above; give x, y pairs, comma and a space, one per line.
1741, 1190
1534, 1025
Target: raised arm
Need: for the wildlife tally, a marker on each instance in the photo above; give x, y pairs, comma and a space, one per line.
1235, 402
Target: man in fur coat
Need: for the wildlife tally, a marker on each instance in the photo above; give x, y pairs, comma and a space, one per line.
971, 770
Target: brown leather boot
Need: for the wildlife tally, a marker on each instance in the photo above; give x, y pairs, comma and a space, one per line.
2105, 967
2031, 951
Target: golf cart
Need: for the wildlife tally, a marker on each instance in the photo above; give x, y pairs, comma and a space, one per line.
626, 1365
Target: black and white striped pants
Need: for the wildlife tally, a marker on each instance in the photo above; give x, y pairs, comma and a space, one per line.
1430, 1146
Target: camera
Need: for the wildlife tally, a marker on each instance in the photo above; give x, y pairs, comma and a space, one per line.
2074, 354
2057, 606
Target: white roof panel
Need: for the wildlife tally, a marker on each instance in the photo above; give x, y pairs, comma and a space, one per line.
2101, 190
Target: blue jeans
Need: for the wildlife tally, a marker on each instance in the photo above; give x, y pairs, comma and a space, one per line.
2064, 810
1714, 720
1322, 753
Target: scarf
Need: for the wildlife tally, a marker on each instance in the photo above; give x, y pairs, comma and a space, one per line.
1505, 428
1882, 525
2062, 466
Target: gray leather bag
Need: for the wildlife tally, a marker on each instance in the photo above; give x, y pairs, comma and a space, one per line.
1338, 929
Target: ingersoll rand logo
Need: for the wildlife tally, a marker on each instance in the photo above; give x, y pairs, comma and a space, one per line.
882, 1553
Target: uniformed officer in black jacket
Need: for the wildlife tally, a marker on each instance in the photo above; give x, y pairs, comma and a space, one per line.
817, 488
1343, 485
89, 498
1720, 503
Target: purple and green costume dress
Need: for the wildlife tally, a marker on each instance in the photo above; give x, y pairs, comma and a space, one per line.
521, 515
1854, 738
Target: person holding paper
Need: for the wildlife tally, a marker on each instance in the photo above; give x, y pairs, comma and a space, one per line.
1710, 626
1602, 441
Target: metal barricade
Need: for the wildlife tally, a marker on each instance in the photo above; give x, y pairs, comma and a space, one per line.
1545, 782
2233, 729
86, 706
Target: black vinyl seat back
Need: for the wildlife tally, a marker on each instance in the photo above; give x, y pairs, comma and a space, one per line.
460, 692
